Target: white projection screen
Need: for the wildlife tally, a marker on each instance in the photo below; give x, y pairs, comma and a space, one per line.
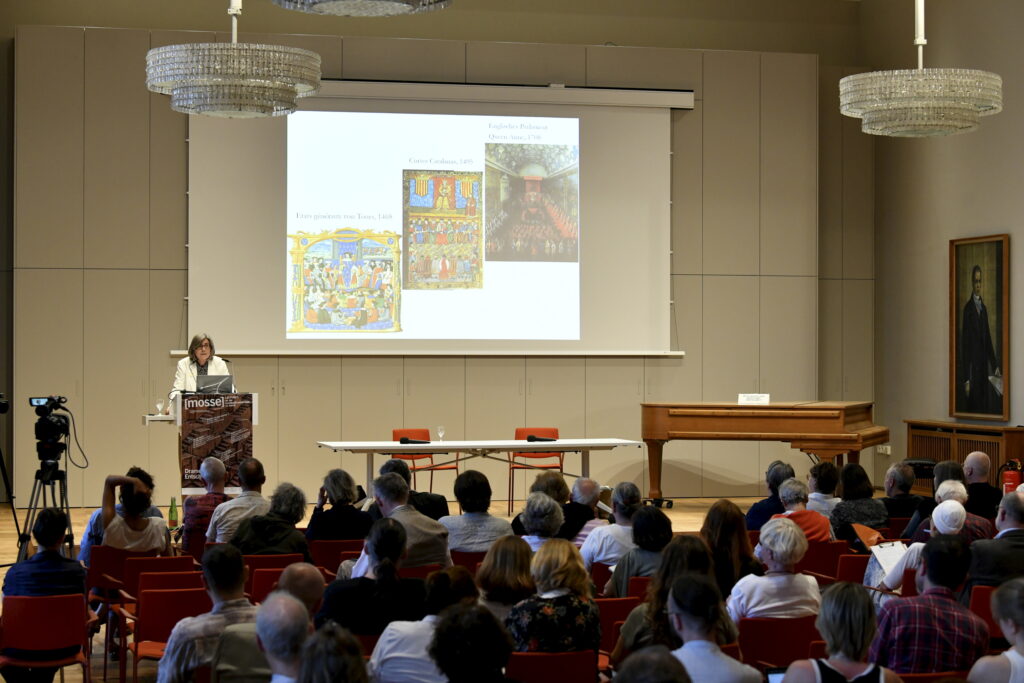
416, 219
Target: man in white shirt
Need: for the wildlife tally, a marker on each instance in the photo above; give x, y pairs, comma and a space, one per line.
586, 491
606, 544
249, 503
282, 625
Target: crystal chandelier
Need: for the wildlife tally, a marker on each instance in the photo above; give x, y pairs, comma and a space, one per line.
920, 102
363, 8
235, 80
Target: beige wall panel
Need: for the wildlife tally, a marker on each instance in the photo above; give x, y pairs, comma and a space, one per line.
673, 380
328, 47
644, 67
681, 470
789, 338
858, 340
309, 411
435, 394
371, 404
830, 174
48, 155
730, 346
830, 340
555, 397
404, 59
259, 375
48, 308
732, 176
858, 201
116, 149
526, 63
614, 394
687, 190
789, 164
167, 315
116, 393
731, 468
495, 406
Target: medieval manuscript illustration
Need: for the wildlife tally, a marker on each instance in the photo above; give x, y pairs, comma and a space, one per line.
442, 223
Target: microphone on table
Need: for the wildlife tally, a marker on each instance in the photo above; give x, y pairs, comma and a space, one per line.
534, 437
406, 439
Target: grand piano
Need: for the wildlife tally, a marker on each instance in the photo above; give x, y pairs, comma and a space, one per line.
826, 429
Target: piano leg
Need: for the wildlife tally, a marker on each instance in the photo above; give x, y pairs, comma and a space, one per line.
654, 467
833, 456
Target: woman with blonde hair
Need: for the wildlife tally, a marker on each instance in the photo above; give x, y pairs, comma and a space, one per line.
1008, 611
504, 575
725, 532
561, 617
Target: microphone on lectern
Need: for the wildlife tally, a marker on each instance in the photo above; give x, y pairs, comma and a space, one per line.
407, 440
534, 437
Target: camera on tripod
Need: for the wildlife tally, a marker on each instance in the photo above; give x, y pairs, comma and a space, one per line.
51, 429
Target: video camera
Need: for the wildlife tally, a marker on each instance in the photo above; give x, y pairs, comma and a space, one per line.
50, 429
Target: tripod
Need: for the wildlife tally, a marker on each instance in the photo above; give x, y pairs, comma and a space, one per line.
48, 477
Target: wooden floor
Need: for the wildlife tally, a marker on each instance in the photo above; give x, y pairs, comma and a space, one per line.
687, 514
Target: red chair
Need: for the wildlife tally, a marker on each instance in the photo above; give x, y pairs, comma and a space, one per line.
779, 642
754, 537
526, 461
823, 558
909, 588
733, 650
47, 623
852, 567
421, 434
327, 553
367, 643
263, 583
156, 614
151, 581
135, 567
638, 587
348, 555
254, 562
897, 525
817, 650
420, 572
612, 610
935, 677
553, 667
599, 574
981, 604
467, 559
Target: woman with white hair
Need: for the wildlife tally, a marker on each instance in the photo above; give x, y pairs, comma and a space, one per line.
948, 518
274, 533
342, 521
794, 495
541, 518
781, 592
974, 527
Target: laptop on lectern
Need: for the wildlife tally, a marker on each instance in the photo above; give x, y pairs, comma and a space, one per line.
214, 384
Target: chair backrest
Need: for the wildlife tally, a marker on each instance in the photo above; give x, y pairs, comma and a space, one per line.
638, 587
823, 557
367, 642
347, 555
553, 667
159, 610
546, 432
418, 433
935, 677
776, 641
327, 553
897, 525
754, 537
44, 623
136, 566
852, 567
149, 581
254, 562
599, 574
817, 649
612, 610
263, 582
105, 560
981, 604
419, 572
733, 650
909, 588
467, 559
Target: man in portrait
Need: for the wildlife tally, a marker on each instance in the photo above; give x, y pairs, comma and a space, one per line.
978, 359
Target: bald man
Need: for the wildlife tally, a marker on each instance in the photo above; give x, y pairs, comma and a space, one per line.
199, 509
982, 498
305, 582
282, 625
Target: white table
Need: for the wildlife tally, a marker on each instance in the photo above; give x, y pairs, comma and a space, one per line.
478, 449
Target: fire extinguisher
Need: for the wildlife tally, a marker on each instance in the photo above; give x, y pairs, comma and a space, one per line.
1010, 475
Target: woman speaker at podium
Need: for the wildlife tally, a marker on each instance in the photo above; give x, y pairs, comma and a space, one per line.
201, 360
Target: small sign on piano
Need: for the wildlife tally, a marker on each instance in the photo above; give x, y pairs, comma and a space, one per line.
753, 399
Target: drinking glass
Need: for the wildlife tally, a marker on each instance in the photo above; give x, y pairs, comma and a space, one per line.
440, 432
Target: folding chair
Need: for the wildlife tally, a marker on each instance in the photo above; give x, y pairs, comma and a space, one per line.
157, 612
50, 623
420, 434
519, 461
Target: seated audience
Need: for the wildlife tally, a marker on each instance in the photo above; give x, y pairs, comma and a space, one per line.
94, 527
781, 592
305, 582
562, 617
996, 560
847, 624
653, 664
859, 506
332, 655
194, 639
433, 505
475, 529
541, 519
401, 653
695, 612
983, 498
342, 521
821, 484
899, 501
199, 509
504, 575
470, 645
607, 544
794, 496
932, 632
367, 604
586, 491
725, 532
948, 519
943, 471
761, 511
134, 530
282, 624
974, 527
1008, 611
249, 503
575, 515
652, 531
274, 533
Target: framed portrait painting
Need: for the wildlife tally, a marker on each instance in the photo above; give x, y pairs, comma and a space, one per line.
979, 328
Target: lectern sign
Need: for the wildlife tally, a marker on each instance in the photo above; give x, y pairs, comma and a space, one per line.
218, 425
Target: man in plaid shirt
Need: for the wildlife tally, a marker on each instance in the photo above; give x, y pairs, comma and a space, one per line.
932, 631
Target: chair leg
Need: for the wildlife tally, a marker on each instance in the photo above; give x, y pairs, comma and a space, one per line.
511, 486
431, 477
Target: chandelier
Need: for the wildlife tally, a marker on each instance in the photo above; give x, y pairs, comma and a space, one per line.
363, 8
920, 102
235, 80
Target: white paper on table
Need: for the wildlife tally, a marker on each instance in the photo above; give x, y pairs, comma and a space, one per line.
889, 554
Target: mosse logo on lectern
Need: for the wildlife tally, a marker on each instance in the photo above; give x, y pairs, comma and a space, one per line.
205, 402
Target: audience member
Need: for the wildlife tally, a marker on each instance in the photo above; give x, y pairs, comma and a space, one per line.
367, 604
607, 544
274, 533
943, 471
504, 575
948, 519
282, 624
899, 501
586, 491
342, 521
400, 655
475, 529
1001, 558
432, 505
973, 528
761, 511
199, 509
695, 612
725, 532
1008, 611
470, 645
983, 498
541, 519
249, 503
562, 617
859, 506
781, 592
652, 530
653, 664
847, 624
794, 496
332, 655
134, 530
194, 639
94, 527
305, 582
574, 515
932, 632
821, 484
